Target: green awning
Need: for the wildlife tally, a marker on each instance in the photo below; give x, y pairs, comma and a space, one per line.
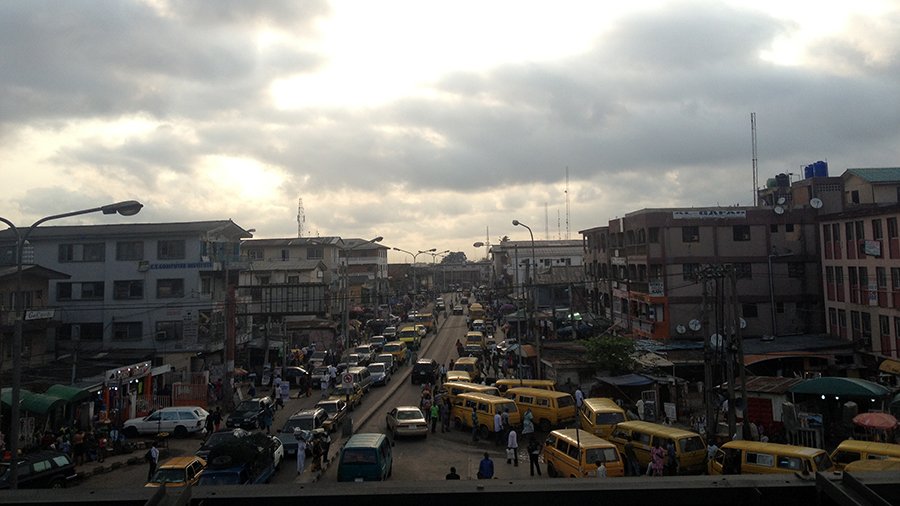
38, 404
850, 387
69, 394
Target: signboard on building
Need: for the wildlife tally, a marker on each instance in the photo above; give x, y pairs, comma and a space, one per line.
656, 288
872, 248
40, 314
617, 260
709, 213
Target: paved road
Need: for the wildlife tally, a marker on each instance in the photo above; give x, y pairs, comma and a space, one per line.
415, 459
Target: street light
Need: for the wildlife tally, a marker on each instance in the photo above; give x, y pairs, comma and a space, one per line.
125, 208
414, 256
517, 223
345, 321
433, 258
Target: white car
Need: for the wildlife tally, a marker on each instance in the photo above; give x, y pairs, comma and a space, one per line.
178, 421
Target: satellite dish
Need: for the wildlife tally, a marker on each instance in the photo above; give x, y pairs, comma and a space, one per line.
816, 203
680, 329
715, 340
743, 323
779, 210
694, 325
781, 201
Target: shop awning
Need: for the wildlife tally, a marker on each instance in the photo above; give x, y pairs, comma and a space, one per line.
755, 359
852, 387
528, 350
626, 380
39, 404
890, 366
68, 393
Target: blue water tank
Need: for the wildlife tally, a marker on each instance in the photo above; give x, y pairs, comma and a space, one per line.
809, 171
820, 169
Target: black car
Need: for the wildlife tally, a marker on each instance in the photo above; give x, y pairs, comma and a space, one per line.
217, 438
425, 370
247, 414
44, 469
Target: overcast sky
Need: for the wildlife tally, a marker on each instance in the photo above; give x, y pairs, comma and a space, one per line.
430, 123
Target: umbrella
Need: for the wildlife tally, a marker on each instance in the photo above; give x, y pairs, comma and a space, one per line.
879, 421
507, 308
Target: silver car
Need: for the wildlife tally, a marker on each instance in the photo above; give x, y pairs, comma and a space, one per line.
381, 373
406, 421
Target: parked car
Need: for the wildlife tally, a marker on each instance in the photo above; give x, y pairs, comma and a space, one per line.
178, 421
406, 421
306, 421
247, 414
425, 370
177, 472
217, 438
367, 351
336, 410
381, 373
43, 469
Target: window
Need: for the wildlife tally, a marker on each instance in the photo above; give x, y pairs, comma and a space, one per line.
168, 330
689, 272
206, 284
881, 278
130, 250
285, 254
884, 325
743, 270
761, 459
779, 307
293, 280
315, 253
92, 290
690, 234
854, 196
836, 231
64, 291
773, 228
169, 288
741, 232
792, 463
653, 234
170, 250
892, 228
80, 331
788, 227
128, 331
796, 269
877, 232
826, 233
255, 254
130, 289
93, 252
860, 230
749, 310
895, 278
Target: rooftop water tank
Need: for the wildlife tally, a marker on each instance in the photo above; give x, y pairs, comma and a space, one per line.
782, 180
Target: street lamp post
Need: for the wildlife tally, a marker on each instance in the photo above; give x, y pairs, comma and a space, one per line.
125, 208
433, 258
345, 320
537, 339
414, 256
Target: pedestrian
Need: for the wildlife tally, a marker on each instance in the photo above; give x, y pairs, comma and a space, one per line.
474, 424
579, 398
657, 459
276, 393
601, 469
435, 414
326, 447
210, 423
671, 459
528, 422
445, 415
634, 467
301, 449
498, 429
486, 468
265, 420
78, 446
324, 386
316, 453
443, 373
217, 417
152, 457
711, 449
285, 392
639, 406
512, 447
534, 455
452, 474
504, 421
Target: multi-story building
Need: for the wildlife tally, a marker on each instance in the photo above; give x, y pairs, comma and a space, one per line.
512, 260
157, 287
861, 261
642, 269
40, 320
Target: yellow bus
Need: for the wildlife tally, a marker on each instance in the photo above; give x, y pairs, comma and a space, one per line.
852, 450
599, 415
690, 448
754, 457
570, 453
550, 408
486, 406
507, 383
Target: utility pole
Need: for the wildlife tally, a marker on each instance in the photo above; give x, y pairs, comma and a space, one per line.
728, 335
711, 419
739, 356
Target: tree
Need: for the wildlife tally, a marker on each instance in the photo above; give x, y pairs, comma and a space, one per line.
454, 257
611, 353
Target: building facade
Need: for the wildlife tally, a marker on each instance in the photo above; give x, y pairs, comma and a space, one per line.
512, 261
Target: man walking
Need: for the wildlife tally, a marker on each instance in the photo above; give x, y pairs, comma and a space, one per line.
634, 467
301, 449
435, 413
512, 447
534, 455
579, 398
498, 429
152, 460
445, 415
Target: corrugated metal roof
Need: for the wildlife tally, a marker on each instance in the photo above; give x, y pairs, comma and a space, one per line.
878, 174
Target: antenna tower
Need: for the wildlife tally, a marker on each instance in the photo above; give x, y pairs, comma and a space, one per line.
546, 223
301, 217
755, 160
567, 203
